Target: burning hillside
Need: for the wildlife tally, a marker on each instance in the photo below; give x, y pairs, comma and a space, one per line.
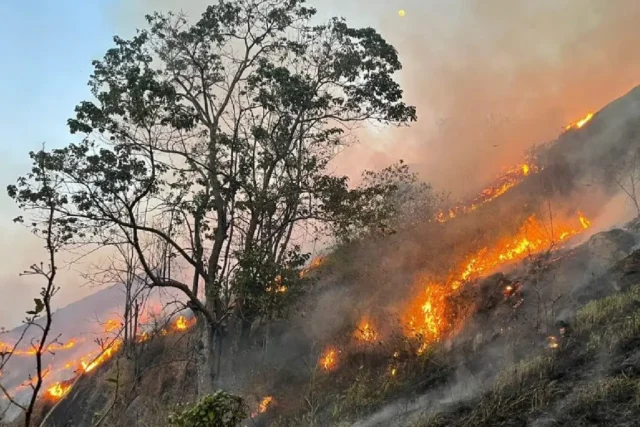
429, 318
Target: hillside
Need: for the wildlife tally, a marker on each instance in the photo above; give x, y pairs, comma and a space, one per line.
536, 314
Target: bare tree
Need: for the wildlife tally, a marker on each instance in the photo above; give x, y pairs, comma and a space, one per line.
625, 173
55, 235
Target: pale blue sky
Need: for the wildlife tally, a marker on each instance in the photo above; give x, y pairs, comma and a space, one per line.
46, 50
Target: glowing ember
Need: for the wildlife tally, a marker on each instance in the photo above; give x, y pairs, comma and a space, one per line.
329, 361
580, 123
365, 331
58, 390
429, 317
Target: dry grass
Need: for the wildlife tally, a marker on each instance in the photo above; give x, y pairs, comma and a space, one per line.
564, 382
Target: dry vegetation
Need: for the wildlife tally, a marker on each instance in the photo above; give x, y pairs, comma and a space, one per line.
593, 378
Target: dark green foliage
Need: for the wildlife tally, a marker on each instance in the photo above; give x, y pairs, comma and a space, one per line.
217, 410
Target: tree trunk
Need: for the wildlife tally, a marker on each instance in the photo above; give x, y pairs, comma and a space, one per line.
206, 358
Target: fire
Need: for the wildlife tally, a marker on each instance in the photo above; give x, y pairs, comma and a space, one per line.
264, 405
365, 331
429, 317
315, 263
112, 325
584, 221
552, 342
329, 361
182, 323
278, 287
507, 180
58, 390
580, 123
54, 346
101, 358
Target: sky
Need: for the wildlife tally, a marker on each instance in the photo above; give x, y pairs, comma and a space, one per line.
489, 77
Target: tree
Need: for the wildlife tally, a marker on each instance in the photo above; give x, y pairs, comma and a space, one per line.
624, 173
56, 233
225, 128
385, 202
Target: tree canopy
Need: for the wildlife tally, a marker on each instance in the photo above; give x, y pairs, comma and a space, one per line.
214, 138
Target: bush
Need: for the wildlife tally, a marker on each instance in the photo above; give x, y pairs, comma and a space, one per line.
214, 410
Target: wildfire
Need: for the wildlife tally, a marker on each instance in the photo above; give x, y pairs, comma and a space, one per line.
105, 355
264, 405
182, 323
580, 123
584, 221
429, 317
54, 346
365, 331
329, 361
508, 179
112, 325
315, 263
278, 287
58, 390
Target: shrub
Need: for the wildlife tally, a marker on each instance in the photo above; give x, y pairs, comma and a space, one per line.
220, 409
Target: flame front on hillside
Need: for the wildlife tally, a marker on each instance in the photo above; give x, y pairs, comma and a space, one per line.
579, 123
429, 316
508, 179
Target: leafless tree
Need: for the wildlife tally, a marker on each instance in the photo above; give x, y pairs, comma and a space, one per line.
55, 235
625, 173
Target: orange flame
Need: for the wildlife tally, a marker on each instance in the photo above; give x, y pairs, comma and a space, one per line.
584, 221
329, 361
182, 323
365, 331
507, 180
58, 390
112, 325
264, 405
315, 263
429, 316
101, 358
54, 346
578, 124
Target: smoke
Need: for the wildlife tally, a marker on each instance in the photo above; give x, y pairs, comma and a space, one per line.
490, 78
